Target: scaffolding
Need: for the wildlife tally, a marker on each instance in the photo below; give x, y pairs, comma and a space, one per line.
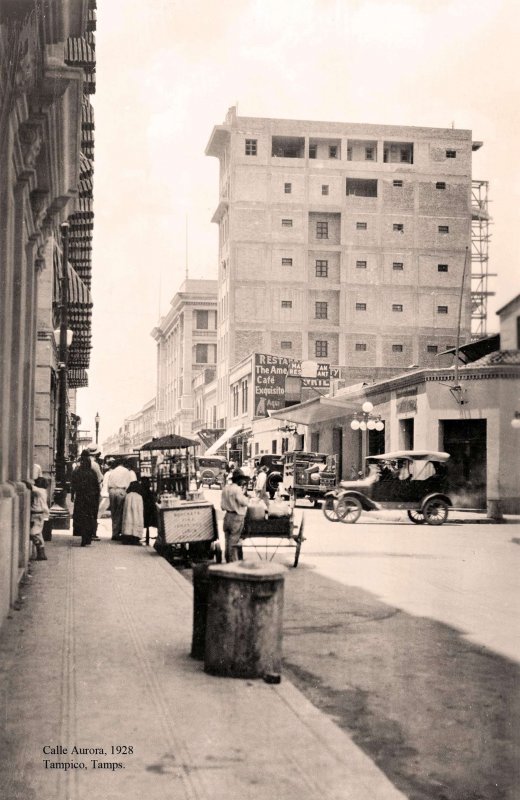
480, 274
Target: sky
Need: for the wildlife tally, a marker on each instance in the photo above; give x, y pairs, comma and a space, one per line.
167, 72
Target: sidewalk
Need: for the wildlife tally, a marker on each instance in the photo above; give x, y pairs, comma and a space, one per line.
98, 657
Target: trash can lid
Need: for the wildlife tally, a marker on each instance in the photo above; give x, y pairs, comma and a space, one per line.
249, 570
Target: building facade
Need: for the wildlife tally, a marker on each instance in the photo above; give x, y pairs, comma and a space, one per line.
46, 75
342, 243
186, 345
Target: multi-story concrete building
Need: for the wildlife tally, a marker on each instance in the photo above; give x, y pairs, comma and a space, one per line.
186, 344
341, 243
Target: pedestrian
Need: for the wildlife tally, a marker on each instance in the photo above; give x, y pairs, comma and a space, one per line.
103, 505
149, 506
39, 513
260, 484
118, 482
133, 515
234, 502
84, 491
94, 452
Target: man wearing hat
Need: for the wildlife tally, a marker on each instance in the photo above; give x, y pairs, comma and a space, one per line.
93, 452
234, 502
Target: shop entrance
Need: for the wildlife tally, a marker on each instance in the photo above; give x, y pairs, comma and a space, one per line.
465, 441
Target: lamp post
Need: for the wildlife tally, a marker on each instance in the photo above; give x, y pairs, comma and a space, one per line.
365, 421
96, 420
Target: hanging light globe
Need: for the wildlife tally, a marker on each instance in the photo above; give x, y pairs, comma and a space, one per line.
515, 422
371, 424
362, 426
367, 407
354, 425
380, 425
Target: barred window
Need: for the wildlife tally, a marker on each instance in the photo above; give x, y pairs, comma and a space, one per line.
432, 348
397, 348
287, 262
397, 307
286, 303
286, 345
361, 226
440, 185
321, 348
322, 268
442, 267
361, 346
444, 228
398, 266
286, 223
251, 147
442, 309
287, 187
398, 226
322, 230
321, 310
361, 264
324, 188
361, 306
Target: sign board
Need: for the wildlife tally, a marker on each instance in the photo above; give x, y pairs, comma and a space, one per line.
188, 523
269, 380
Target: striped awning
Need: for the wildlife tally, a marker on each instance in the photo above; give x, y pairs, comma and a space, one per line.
78, 378
78, 53
79, 295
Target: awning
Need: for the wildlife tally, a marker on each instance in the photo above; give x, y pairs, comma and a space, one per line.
221, 441
169, 442
318, 409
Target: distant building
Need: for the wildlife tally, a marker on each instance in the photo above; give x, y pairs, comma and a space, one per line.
136, 430
342, 243
186, 345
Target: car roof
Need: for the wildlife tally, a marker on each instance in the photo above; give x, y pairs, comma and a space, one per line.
412, 455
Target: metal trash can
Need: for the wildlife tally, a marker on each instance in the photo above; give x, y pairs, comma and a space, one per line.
244, 619
200, 608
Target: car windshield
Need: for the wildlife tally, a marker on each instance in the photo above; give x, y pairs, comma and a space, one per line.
405, 468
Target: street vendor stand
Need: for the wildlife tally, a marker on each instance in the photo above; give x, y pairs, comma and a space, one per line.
186, 523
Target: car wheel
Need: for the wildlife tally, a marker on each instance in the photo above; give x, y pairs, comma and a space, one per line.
330, 509
349, 509
435, 511
416, 516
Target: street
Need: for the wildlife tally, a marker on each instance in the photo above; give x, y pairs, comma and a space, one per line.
408, 637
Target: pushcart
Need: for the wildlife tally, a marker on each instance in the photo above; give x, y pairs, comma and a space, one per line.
169, 463
274, 533
188, 532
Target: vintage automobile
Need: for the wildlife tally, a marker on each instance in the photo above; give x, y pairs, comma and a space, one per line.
274, 464
414, 480
212, 470
309, 475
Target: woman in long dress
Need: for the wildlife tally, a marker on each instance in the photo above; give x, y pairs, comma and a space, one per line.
133, 515
84, 490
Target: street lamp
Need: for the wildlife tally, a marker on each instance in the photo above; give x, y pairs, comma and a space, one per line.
96, 420
365, 421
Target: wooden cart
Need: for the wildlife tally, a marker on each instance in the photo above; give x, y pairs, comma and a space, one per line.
188, 532
272, 534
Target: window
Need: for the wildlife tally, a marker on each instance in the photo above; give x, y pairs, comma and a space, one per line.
398, 266
440, 185
361, 264
397, 307
322, 268
321, 348
287, 187
398, 184
202, 320
321, 310
349, 154
444, 228
397, 348
322, 230
361, 306
398, 226
286, 223
361, 187
201, 353
235, 401
244, 396
442, 309
451, 154
286, 345
361, 226
333, 151
361, 346
286, 303
432, 348
286, 262
313, 150
324, 189
251, 147
442, 267
369, 153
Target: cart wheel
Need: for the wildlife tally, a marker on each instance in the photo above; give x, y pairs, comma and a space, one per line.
299, 541
349, 509
416, 516
329, 508
435, 511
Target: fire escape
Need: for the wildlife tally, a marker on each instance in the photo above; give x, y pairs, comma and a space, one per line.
480, 275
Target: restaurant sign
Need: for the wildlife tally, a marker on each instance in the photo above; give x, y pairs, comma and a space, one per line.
270, 373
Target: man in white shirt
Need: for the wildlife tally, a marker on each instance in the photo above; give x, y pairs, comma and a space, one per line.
234, 502
118, 482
